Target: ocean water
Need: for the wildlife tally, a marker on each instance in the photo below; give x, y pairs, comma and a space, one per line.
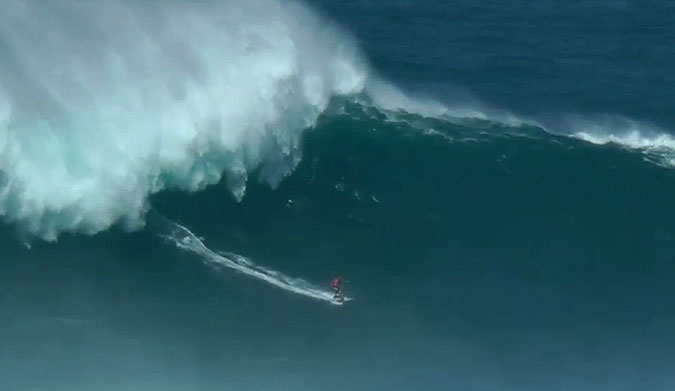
179, 181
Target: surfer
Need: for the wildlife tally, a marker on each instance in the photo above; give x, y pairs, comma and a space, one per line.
336, 284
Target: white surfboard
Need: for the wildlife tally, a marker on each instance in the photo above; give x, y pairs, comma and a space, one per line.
344, 300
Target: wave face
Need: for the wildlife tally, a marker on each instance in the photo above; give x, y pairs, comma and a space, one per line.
107, 102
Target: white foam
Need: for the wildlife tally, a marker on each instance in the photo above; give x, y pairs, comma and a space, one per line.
103, 103
654, 142
186, 240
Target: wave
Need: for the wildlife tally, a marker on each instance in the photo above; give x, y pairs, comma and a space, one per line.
118, 100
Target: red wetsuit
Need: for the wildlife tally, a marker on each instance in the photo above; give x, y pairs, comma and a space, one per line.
336, 282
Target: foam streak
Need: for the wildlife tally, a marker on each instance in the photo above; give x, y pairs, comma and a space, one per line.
184, 239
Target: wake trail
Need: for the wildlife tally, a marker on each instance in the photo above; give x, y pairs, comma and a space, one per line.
184, 239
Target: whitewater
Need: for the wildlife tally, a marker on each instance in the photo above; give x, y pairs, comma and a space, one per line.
117, 100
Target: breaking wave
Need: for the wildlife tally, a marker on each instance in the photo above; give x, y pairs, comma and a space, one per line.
116, 101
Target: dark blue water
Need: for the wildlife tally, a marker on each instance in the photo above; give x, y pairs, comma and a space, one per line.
542, 58
481, 255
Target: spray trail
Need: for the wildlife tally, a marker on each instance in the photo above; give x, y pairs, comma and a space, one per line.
184, 239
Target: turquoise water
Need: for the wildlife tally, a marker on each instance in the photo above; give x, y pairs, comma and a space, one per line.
493, 253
